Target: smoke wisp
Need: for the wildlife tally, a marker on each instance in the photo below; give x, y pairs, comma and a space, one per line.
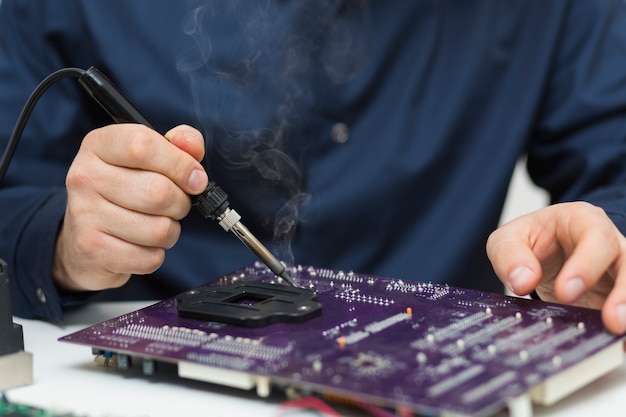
253, 69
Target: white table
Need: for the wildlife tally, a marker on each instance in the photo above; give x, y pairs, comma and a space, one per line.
67, 380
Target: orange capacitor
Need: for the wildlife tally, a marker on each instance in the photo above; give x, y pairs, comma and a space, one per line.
342, 342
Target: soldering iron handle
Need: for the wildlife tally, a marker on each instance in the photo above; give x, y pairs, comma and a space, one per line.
213, 201
111, 98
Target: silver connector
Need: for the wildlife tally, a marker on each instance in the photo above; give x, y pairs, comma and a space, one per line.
230, 221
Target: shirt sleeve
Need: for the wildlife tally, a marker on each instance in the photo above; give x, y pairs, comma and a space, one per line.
578, 150
32, 194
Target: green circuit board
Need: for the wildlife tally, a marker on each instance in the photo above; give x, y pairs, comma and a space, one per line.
10, 409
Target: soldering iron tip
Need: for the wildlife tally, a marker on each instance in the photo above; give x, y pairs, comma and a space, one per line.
287, 278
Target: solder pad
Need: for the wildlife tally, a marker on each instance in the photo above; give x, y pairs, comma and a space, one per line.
405, 345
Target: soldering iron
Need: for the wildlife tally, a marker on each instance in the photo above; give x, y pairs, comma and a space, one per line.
212, 203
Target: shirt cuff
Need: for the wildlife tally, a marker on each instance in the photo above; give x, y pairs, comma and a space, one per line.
38, 296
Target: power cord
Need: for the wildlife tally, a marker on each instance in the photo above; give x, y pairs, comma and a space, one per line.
28, 109
16, 365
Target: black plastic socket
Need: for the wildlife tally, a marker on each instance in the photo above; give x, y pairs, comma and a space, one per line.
11, 334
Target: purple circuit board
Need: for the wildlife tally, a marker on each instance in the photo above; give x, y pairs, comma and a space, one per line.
413, 346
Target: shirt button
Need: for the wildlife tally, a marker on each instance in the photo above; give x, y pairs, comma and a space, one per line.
340, 132
41, 295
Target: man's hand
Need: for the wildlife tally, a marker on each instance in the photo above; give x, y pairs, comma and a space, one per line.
570, 253
127, 189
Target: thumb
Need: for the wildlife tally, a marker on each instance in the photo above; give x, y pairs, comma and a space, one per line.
514, 261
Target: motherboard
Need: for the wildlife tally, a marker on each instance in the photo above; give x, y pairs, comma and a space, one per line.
415, 348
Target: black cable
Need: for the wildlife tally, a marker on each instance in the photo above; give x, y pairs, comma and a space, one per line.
27, 110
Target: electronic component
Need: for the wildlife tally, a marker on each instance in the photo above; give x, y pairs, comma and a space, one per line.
411, 346
11, 409
16, 365
252, 304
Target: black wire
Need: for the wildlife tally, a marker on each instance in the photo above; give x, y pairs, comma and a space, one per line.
27, 110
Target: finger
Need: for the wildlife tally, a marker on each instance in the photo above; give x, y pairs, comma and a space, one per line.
143, 218
88, 259
614, 308
138, 228
122, 257
109, 261
596, 248
513, 259
90, 181
139, 147
187, 139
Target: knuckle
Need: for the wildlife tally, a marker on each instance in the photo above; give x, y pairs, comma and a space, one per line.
165, 232
140, 146
615, 238
79, 210
490, 241
152, 261
144, 260
88, 245
91, 138
493, 236
497, 239
73, 179
77, 178
118, 280
159, 192
596, 210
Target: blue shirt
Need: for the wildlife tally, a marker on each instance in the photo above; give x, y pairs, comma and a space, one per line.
374, 136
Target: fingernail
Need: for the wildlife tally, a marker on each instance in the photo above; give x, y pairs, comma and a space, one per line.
518, 279
621, 316
197, 180
573, 289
